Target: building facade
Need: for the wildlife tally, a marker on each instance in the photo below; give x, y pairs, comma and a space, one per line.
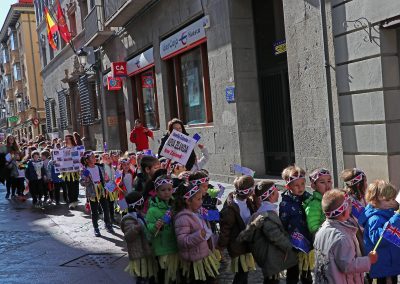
22, 98
67, 83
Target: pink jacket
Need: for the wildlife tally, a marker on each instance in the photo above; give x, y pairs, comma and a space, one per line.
192, 246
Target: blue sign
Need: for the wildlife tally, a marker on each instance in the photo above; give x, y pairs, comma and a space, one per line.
230, 94
279, 47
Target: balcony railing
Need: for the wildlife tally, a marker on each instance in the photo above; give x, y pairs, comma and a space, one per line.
95, 31
118, 12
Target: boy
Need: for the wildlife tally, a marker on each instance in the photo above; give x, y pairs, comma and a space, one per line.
321, 182
234, 217
293, 217
337, 253
35, 173
139, 136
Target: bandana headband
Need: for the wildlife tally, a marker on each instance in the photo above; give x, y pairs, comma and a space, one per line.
358, 178
137, 203
245, 191
293, 178
343, 207
124, 161
320, 173
87, 155
268, 193
191, 192
200, 181
162, 181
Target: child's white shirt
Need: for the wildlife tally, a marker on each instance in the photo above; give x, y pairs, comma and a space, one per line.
244, 210
95, 173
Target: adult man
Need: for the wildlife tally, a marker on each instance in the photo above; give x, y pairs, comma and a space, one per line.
139, 136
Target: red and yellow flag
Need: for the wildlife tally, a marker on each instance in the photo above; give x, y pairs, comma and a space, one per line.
62, 25
52, 29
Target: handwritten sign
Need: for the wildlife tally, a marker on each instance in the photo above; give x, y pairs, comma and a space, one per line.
178, 147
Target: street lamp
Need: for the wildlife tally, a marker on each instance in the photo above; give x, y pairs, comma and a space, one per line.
82, 55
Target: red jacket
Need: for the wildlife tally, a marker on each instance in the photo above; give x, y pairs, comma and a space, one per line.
139, 137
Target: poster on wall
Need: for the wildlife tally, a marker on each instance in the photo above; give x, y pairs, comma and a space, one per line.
147, 81
68, 159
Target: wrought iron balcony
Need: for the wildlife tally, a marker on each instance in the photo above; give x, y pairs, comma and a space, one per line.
95, 31
119, 12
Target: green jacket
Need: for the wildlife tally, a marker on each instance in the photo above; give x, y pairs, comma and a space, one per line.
165, 241
314, 213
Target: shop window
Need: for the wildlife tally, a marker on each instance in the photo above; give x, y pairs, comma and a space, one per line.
145, 99
190, 96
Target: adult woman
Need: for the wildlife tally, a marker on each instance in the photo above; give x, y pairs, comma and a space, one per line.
71, 178
176, 124
12, 145
78, 139
12, 149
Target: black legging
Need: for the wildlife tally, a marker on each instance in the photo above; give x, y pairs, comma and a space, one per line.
95, 212
73, 190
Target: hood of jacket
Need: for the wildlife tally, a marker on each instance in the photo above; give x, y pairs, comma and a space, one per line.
160, 204
370, 211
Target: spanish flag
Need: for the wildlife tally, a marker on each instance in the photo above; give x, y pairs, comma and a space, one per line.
52, 29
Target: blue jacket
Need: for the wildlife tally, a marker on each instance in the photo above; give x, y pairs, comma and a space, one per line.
292, 214
373, 220
30, 172
52, 171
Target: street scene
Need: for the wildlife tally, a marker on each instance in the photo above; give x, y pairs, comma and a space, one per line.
200, 141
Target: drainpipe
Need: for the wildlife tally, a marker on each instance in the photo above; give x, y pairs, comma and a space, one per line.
329, 91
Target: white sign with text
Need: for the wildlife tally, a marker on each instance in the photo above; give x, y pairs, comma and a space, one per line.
178, 147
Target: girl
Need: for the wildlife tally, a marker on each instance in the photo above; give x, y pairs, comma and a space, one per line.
235, 215
356, 185
158, 219
142, 264
270, 243
321, 182
92, 180
58, 183
379, 211
294, 220
199, 264
71, 178
128, 177
109, 176
35, 173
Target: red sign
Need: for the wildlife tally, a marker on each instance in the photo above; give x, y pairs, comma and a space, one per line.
147, 80
118, 69
114, 84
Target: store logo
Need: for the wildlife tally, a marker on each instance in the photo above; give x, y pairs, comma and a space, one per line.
183, 38
137, 64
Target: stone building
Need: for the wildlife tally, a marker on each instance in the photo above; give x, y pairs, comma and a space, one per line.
23, 101
66, 82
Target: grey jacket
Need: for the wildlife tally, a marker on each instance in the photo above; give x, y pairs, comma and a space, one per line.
269, 243
338, 257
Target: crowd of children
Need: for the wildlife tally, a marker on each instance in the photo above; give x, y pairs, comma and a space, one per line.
175, 233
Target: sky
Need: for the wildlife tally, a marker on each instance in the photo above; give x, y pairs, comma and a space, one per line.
5, 7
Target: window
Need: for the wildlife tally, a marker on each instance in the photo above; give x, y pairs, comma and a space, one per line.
8, 82
93, 94
189, 86
13, 41
43, 43
53, 114
4, 54
72, 24
145, 99
17, 72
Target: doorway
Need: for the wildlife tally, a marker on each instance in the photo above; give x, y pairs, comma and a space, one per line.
273, 85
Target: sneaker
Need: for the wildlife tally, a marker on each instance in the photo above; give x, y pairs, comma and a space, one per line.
97, 232
110, 229
7, 196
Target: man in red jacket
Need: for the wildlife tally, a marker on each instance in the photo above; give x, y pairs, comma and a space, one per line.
139, 136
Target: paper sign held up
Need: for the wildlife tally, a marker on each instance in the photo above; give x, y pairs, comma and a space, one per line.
243, 170
178, 147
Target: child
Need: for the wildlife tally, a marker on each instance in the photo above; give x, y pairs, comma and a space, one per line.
270, 243
58, 183
128, 177
293, 217
193, 233
11, 186
379, 211
92, 180
234, 217
132, 161
158, 219
176, 169
355, 184
35, 173
139, 136
109, 176
48, 185
337, 252
143, 182
321, 182
20, 180
142, 264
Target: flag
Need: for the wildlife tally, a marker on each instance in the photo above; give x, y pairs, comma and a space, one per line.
52, 29
356, 208
221, 190
392, 234
300, 242
62, 25
167, 217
